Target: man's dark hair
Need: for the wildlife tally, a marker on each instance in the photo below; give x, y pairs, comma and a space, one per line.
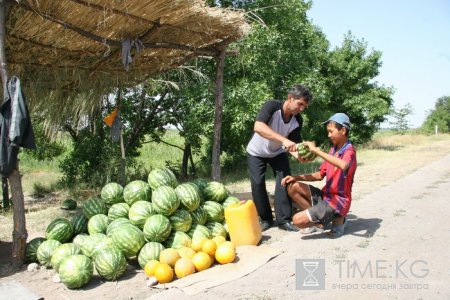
299, 91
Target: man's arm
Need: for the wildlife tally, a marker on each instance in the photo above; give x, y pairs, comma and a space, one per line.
265, 131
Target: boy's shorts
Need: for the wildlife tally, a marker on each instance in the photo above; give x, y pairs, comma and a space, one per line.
320, 212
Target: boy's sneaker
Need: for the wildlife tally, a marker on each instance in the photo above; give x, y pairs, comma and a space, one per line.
312, 229
338, 230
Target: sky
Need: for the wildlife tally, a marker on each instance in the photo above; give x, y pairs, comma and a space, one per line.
413, 36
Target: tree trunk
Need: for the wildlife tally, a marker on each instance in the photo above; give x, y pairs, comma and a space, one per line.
122, 176
20, 232
191, 159
185, 162
220, 63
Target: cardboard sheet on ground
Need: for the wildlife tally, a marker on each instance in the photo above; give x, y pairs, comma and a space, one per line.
14, 290
249, 259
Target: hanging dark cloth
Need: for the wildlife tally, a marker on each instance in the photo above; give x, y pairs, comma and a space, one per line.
15, 127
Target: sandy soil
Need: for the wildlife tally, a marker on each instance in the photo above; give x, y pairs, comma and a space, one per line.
395, 245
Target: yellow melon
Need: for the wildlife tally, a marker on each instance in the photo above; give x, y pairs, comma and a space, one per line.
150, 267
186, 252
163, 273
184, 267
169, 256
201, 261
197, 243
219, 240
209, 246
225, 254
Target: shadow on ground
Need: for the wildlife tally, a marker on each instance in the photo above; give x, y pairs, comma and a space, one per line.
356, 226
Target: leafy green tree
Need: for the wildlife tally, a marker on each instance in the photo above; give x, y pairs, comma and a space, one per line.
400, 122
439, 116
47, 148
348, 73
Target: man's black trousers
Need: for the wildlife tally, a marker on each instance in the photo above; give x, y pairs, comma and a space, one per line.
257, 167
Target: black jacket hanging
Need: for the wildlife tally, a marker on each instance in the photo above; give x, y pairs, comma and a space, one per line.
15, 127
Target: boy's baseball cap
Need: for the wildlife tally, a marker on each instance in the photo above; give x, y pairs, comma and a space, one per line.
340, 118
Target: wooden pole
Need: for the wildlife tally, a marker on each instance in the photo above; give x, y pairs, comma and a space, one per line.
4, 76
19, 232
218, 93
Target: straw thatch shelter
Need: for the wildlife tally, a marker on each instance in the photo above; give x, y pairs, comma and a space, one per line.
63, 48
67, 46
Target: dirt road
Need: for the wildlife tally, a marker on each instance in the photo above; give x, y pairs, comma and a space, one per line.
395, 247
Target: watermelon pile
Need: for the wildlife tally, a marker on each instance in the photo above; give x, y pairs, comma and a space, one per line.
137, 221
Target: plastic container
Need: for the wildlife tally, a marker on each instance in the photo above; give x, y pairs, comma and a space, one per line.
242, 222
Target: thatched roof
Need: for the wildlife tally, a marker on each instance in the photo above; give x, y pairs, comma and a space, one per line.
68, 46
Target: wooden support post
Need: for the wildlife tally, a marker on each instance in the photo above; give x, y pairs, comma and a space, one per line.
19, 232
218, 93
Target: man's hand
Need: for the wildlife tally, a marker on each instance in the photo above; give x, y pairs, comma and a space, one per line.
289, 145
288, 179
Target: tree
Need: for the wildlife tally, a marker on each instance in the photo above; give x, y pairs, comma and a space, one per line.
400, 122
439, 116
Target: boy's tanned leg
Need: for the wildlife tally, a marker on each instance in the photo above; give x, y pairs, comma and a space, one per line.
300, 194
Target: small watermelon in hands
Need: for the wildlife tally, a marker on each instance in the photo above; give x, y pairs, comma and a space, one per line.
305, 153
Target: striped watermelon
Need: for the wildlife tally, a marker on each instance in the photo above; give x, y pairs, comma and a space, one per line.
79, 240
160, 177
137, 190
189, 196
79, 224
139, 212
94, 207
98, 224
201, 184
76, 270
214, 211
69, 204
94, 243
118, 210
215, 191
165, 200
217, 229
129, 239
62, 252
112, 193
180, 220
150, 251
115, 224
199, 216
157, 228
230, 200
31, 249
45, 251
59, 229
199, 231
110, 263
177, 239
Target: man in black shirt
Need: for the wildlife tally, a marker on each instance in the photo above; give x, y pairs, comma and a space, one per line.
277, 130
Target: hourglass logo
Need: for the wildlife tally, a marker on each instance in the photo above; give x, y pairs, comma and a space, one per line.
310, 274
